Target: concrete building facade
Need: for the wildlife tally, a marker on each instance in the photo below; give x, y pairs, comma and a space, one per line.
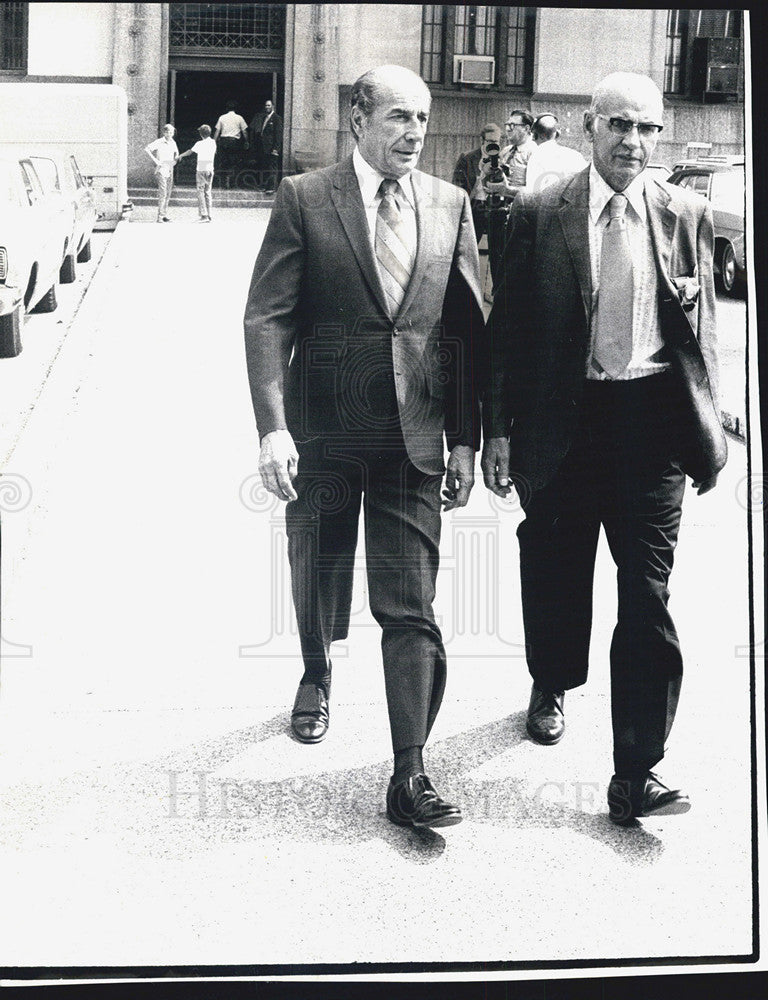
183, 62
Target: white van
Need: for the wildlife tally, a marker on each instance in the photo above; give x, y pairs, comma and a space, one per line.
89, 120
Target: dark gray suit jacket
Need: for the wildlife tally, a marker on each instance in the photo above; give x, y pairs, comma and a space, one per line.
539, 324
315, 296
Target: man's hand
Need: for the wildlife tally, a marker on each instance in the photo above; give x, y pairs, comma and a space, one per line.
495, 465
705, 485
501, 187
279, 464
459, 477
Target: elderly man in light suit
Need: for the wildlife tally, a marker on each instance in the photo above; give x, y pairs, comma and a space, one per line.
603, 398
362, 330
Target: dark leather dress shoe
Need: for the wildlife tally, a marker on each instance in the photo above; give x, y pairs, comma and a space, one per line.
414, 802
546, 721
630, 799
310, 715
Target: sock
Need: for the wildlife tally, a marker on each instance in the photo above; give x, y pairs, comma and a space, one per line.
407, 763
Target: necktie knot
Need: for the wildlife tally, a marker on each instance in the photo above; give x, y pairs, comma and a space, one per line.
388, 186
618, 206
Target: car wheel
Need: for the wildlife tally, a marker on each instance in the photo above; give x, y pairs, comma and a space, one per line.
48, 302
10, 334
85, 253
67, 270
728, 269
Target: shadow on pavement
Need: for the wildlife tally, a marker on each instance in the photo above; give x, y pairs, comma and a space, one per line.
347, 806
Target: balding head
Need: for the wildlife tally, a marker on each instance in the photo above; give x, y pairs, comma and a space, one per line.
627, 86
545, 128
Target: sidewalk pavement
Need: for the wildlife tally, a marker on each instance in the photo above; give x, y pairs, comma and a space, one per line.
155, 810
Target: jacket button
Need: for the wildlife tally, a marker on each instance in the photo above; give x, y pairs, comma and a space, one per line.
395, 331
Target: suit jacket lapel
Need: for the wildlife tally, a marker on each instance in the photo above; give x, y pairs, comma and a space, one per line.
574, 214
662, 220
348, 202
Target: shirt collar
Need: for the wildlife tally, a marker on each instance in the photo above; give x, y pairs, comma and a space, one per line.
600, 193
370, 179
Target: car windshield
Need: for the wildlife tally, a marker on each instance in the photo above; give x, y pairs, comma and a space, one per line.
46, 171
728, 191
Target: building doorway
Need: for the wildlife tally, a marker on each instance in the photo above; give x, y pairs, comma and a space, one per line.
197, 97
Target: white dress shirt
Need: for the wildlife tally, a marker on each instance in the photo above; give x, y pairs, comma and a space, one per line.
370, 180
646, 330
516, 158
551, 162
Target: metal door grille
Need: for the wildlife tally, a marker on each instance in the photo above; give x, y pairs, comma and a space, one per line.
254, 27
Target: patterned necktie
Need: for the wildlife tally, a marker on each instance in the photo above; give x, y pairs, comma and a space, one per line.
394, 251
613, 338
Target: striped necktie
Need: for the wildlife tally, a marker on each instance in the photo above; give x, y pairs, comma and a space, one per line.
613, 337
394, 252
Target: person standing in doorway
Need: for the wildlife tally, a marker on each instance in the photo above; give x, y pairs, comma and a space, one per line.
231, 135
164, 153
205, 150
267, 136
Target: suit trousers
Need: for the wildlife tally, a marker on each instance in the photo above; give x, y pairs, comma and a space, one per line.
401, 508
229, 156
497, 238
622, 471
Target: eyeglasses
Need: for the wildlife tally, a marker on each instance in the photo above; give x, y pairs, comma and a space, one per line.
515, 125
623, 126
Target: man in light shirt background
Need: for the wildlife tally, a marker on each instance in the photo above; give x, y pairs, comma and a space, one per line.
231, 135
550, 162
205, 151
164, 153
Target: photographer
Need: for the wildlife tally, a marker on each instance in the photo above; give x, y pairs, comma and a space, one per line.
466, 175
502, 178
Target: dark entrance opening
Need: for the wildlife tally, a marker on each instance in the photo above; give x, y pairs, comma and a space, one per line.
199, 97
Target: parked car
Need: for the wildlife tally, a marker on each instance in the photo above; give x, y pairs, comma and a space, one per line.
33, 242
722, 182
59, 173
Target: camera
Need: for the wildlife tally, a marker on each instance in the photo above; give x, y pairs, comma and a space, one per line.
492, 150
496, 173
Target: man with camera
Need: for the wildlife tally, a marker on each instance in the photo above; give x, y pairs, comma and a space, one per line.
466, 175
503, 176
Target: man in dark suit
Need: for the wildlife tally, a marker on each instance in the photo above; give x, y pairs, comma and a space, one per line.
603, 397
362, 319
267, 139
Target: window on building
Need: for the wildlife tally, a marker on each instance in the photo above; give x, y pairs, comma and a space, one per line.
689, 55
505, 33
13, 37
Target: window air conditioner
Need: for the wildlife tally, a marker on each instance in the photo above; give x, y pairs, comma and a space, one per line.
474, 69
